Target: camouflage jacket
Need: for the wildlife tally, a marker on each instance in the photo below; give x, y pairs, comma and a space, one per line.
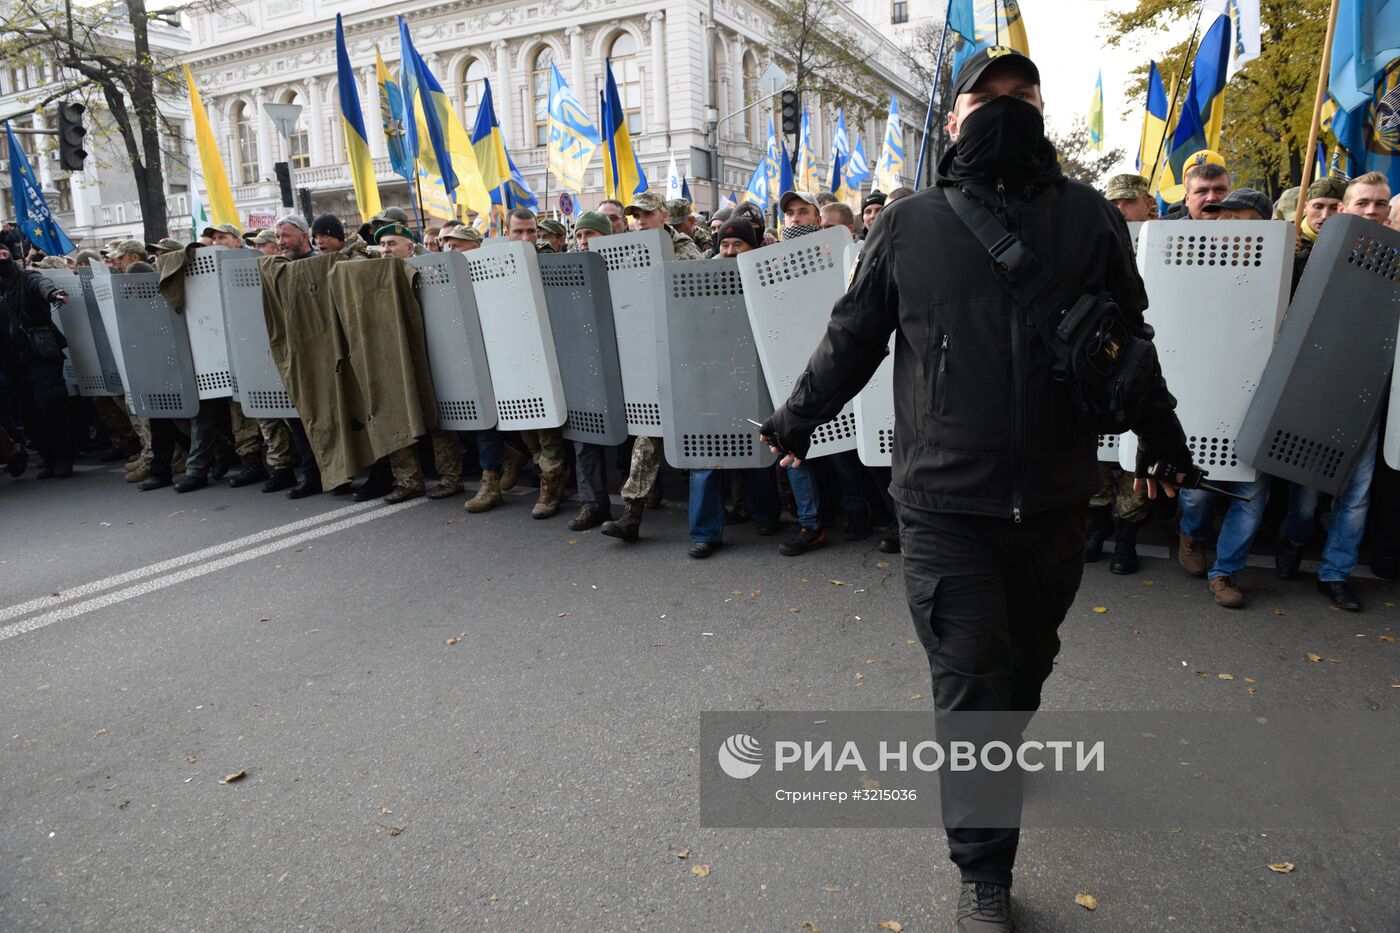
683, 246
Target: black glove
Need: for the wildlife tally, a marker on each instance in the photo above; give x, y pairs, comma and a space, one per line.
778, 431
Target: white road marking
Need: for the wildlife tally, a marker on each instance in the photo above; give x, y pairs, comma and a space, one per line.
199, 570
130, 576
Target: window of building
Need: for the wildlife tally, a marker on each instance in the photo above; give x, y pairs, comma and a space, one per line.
470, 86
539, 89
627, 71
299, 143
246, 138
899, 11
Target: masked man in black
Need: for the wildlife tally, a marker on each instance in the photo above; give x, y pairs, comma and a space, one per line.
993, 468
31, 351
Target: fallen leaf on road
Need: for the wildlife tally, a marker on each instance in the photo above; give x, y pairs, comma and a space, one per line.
883, 564
910, 641
235, 776
1334, 660
755, 594
894, 926
385, 810
701, 871
453, 641
1253, 691
1201, 673
1388, 604
811, 927
684, 853
872, 660
831, 889
860, 678
1226, 676
395, 830
1314, 656
794, 610
1250, 680
1147, 583
100, 732
917, 696
1100, 609
1387, 638
838, 583
190, 759
563, 615
1278, 612
1281, 868
1087, 901
1201, 776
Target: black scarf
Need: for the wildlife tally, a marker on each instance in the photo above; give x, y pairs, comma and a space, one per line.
1002, 141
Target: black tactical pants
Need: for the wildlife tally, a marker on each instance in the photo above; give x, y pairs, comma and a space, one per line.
987, 596
39, 401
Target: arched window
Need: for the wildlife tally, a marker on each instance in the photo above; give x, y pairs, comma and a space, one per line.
627, 71
539, 91
298, 144
245, 136
750, 95
470, 86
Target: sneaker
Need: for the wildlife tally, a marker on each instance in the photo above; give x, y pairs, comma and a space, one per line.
1227, 592
983, 908
806, 539
1191, 554
1288, 559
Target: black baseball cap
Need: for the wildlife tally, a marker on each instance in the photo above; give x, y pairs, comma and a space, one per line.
973, 68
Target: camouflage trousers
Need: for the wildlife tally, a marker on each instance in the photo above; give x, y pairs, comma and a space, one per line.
250, 433
111, 413
547, 446
645, 467
142, 426
447, 460
1116, 492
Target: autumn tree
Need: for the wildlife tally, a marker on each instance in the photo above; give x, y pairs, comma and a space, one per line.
922, 53
1268, 105
1078, 157
825, 61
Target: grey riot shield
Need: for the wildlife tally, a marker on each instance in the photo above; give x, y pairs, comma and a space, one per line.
94, 368
1320, 396
710, 379
874, 405
585, 342
1216, 293
456, 351
1391, 441
154, 345
634, 281
789, 289
204, 319
1109, 443
70, 372
105, 299
519, 344
260, 388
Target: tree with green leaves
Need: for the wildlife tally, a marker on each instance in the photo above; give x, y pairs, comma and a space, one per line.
1268, 105
1078, 157
825, 61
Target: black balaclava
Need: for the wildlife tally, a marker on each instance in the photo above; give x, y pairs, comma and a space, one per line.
1004, 139
8, 267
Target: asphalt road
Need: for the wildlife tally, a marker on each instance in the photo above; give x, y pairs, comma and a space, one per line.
454, 722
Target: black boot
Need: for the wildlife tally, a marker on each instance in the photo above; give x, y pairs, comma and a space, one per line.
309, 486
1100, 527
252, 472
154, 481
377, 485
190, 482
858, 525
279, 480
221, 465
1125, 558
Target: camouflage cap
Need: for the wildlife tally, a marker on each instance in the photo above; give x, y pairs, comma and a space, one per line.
677, 210
461, 232
264, 236
1125, 187
125, 247
88, 255
53, 262
1329, 187
231, 229
165, 245
552, 227
1287, 206
645, 203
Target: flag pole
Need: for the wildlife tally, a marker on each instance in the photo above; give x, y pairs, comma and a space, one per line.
932, 97
417, 203
1186, 64
1319, 99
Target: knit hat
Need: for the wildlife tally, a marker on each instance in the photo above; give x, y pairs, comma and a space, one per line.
328, 225
739, 230
594, 220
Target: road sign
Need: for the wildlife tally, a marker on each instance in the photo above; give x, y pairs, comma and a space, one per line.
773, 80
566, 204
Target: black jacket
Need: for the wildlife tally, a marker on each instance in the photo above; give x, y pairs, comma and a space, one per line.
980, 426
25, 299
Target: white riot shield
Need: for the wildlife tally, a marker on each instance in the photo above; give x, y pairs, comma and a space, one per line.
260, 388
204, 319
634, 282
105, 299
585, 341
151, 342
519, 343
1217, 291
710, 380
789, 290
93, 367
1321, 394
1108, 443
456, 351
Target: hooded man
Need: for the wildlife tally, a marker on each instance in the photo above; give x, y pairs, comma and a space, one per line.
31, 354
992, 466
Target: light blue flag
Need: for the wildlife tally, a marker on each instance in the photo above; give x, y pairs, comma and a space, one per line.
857, 169
32, 214
757, 191
1367, 39
572, 136
840, 153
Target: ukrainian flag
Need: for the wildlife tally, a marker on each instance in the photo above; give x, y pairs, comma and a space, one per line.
1096, 115
807, 179
1154, 123
979, 24
391, 115
211, 164
1203, 110
840, 154
757, 191
489, 145
622, 170
356, 140
891, 164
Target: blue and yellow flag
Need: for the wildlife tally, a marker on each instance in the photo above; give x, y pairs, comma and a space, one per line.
979, 24
840, 155
622, 170
858, 167
757, 191
891, 164
426, 134
1096, 115
391, 115
353, 122
1368, 136
1203, 110
572, 136
786, 181
1366, 39
32, 214
489, 144
806, 176
1154, 123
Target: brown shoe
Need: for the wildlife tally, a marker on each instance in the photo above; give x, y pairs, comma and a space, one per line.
401, 493
1191, 554
488, 494
548, 503
1227, 592
443, 490
589, 516
629, 527
510, 468
138, 472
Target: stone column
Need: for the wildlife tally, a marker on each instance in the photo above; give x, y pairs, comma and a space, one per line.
316, 128
265, 134
736, 101
661, 117
575, 36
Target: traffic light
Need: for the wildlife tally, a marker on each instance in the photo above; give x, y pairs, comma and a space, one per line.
284, 182
792, 113
70, 136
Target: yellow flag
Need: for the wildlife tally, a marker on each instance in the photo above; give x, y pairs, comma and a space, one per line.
211, 164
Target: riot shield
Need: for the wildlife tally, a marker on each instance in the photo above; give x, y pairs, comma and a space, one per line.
1390, 446
456, 351
94, 368
151, 343
1109, 443
634, 283
204, 319
519, 344
789, 290
585, 343
260, 388
710, 380
1320, 396
1217, 291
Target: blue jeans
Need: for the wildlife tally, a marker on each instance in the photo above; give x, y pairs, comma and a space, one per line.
1349, 508
1240, 526
707, 501
491, 449
807, 496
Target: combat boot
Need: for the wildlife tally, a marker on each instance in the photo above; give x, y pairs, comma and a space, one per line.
510, 472
402, 492
629, 526
190, 482
1099, 528
550, 484
444, 489
138, 472
488, 494
284, 478
1125, 557
253, 472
